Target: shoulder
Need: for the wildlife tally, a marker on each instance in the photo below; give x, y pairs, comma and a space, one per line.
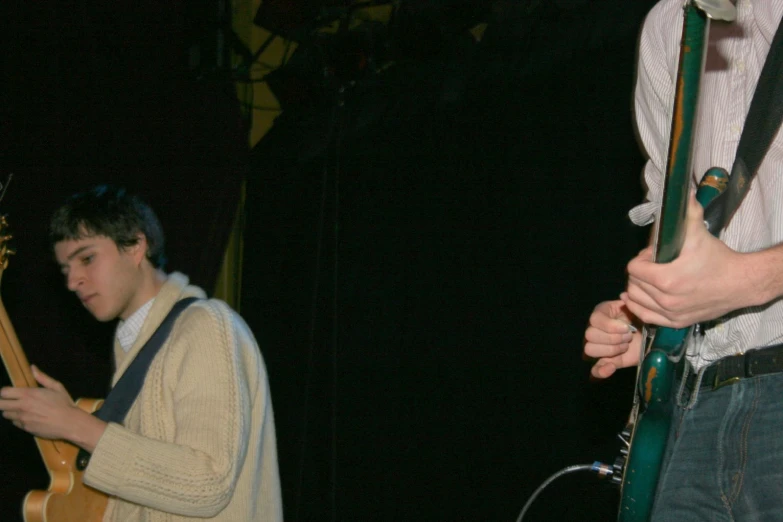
660, 38
210, 330
665, 11
206, 314
206, 333
664, 22
215, 320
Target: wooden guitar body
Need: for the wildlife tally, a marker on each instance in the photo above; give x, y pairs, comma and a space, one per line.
68, 499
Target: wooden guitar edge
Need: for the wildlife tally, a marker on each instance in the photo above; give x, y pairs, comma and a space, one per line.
68, 499
81, 504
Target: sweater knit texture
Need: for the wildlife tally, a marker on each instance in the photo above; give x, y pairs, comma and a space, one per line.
199, 441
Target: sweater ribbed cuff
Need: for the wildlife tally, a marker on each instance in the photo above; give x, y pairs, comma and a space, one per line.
113, 452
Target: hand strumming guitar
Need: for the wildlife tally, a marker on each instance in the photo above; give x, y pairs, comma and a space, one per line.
611, 339
50, 413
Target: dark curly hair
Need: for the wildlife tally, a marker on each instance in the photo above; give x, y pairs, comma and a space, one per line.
109, 211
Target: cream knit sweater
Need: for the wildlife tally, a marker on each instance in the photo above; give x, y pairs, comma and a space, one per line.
199, 442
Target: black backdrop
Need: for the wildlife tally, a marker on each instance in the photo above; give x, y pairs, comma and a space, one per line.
419, 281
424, 283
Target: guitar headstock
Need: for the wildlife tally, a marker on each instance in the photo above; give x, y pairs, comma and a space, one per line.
6, 251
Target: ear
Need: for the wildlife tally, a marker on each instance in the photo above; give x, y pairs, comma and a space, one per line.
139, 250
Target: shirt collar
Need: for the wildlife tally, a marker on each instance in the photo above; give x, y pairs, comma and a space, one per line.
128, 330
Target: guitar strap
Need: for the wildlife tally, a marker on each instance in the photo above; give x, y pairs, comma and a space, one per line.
122, 395
761, 126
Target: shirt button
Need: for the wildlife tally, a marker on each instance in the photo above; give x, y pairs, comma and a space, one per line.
740, 66
735, 129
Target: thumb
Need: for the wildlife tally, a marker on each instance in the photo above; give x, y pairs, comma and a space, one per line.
602, 370
45, 380
695, 215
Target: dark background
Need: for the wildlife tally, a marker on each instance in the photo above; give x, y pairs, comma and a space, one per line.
422, 251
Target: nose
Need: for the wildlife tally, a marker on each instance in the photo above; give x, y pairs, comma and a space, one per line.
74, 279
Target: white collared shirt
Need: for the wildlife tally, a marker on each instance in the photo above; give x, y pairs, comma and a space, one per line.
128, 330
735, 57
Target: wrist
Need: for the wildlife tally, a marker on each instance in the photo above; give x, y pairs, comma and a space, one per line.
758, 276
86, 430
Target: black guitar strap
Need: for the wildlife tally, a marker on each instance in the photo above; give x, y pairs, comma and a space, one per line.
761, 126
121, 397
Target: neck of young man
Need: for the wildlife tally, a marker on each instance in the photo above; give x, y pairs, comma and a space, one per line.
152, 281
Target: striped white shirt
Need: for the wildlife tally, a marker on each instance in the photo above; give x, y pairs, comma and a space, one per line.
128, 331
736, 54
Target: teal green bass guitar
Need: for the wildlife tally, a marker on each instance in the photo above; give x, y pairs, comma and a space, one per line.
664, 348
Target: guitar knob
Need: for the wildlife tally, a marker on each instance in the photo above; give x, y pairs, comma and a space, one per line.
618, 466
82, 461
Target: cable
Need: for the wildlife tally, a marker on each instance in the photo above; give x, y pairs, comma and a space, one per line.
602, 469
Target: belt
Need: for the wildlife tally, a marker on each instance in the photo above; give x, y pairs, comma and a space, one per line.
731, 369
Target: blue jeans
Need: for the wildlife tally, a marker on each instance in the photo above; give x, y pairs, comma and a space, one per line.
724, 460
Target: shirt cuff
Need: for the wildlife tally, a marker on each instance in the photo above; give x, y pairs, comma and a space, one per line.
643, 214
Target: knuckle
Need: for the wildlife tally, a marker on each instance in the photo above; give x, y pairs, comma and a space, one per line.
679, 323
601, 351
645, 316
591, 334
664, 284
594, 350
667, 303
619, 349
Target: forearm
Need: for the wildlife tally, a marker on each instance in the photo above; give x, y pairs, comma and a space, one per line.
169, 476
758, 276
85, 430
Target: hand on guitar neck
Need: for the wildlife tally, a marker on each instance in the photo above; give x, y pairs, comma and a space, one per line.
706, 281
50, 413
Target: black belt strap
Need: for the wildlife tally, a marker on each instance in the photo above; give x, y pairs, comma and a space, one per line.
731, 369
116, 405
761, 126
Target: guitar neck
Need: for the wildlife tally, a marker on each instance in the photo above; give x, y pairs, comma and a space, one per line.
13, 356
670, 233
21, 375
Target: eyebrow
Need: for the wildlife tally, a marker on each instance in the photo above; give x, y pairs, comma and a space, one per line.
76, 253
